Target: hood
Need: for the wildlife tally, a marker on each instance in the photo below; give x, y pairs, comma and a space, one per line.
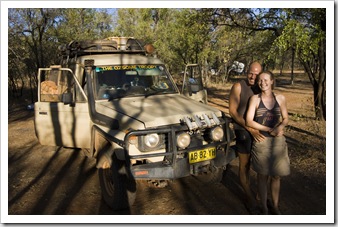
160, 110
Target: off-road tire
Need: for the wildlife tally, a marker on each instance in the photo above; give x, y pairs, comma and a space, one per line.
118, 186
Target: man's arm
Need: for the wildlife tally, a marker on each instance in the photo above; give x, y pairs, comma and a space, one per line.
234, 100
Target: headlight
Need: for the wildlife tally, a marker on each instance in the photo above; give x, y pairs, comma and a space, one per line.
183, 140
151, 140
216, 134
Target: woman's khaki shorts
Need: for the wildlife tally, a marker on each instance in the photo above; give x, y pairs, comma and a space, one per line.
270, 157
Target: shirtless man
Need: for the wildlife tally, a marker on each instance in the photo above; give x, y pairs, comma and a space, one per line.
239, 96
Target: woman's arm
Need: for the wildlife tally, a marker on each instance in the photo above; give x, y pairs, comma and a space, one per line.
234, 102
253, 104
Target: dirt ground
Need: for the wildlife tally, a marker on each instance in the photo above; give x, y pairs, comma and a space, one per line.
59, 181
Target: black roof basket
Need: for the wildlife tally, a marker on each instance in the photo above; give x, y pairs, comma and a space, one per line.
109, 45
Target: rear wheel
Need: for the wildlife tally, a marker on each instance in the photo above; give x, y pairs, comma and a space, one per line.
118, 185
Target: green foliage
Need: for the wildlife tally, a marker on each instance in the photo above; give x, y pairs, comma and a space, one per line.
242, 34
299, 34
35, 34
305, 32
214, 38
83, 24
187, 37
134, 23
179, 36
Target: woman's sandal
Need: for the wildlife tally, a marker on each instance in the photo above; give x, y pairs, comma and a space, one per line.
275, 211
252, 209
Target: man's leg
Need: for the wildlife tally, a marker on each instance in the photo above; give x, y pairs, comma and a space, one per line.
244, 177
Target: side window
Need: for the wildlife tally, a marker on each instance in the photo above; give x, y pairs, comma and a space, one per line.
52, 86
55, 83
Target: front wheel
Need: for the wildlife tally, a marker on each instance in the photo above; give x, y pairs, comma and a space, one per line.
215, 175
117, 183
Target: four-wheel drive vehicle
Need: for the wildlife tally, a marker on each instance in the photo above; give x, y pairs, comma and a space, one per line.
121, 106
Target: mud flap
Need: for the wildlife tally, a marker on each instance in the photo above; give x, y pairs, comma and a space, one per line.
223, 158
230, 155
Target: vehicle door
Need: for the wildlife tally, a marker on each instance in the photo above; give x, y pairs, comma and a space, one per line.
193, 84
61, 112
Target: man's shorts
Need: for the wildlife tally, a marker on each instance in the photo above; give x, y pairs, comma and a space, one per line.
243, 141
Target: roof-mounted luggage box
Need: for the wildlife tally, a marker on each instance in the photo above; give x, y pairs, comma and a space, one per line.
127, 43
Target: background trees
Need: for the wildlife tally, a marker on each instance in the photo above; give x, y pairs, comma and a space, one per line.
304, 34
30, 35
214, 38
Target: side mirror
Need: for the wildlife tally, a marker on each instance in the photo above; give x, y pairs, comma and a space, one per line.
67, 98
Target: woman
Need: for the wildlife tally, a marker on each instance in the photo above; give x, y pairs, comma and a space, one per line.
267, 112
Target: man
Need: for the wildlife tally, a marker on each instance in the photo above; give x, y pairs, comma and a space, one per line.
239, 96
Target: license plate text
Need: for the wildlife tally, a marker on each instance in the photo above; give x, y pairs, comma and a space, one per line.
202, 155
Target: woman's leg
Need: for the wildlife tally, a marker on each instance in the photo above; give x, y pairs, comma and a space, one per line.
275, 189
262, 190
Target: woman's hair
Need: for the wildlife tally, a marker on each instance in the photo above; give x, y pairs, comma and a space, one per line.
272, 77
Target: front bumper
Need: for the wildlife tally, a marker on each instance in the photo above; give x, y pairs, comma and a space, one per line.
175, 163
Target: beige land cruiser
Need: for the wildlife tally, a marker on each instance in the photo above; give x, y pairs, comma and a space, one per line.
121, 106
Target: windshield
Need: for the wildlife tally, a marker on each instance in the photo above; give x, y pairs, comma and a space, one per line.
131, 80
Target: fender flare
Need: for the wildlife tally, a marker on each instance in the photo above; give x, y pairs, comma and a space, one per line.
104, 146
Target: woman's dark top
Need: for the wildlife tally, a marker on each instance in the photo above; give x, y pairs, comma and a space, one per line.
269, 118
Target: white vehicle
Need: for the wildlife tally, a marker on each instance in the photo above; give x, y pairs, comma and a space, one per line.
236, 68
121, 106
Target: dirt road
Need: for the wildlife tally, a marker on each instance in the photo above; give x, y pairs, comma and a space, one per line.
59, 181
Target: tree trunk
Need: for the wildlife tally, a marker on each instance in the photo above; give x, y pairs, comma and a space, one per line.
318, 90
321, 81
205, 74
292, 63
281, 66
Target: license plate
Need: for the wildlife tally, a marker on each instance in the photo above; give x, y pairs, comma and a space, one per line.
202, 155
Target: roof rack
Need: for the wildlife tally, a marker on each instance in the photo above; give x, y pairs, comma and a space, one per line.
109, 45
